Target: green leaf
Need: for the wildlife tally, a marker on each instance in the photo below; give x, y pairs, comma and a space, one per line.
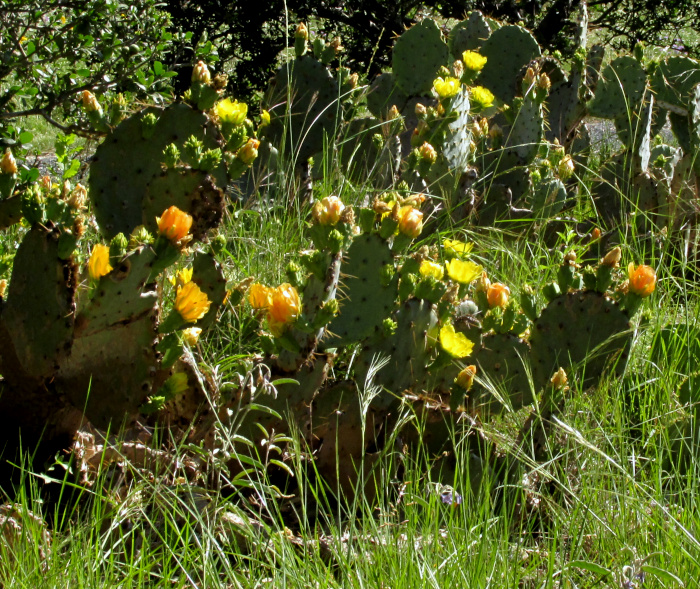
589, 566
662, 574
83, 72
157, 68
25, 137
72, 170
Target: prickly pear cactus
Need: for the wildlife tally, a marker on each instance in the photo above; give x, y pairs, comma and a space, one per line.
127, 166
418, 55
508, 49
469, 34
578, 326
620, 90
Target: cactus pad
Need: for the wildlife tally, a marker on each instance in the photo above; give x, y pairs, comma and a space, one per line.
364, 301
455, 149
208, 275
125, 164
39, 311
620, 90
508, 49
384, 93
418, 55
470, 34
303, 103
578, 326
674, 79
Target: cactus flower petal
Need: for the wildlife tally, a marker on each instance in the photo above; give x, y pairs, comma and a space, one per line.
455, 344
191, 303
99, 265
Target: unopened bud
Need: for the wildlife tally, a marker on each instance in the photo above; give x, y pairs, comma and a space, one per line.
90, 102
78, 198
559, 381
249, 151
200, 73
529, 77
458, 68
393, 113
3, 288
428, 153
570, 258
612, 258
302, 32
420, 110
566, 168
544, 83
465, 378
8, 165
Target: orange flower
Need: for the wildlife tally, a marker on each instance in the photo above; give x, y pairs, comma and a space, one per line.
642, 280
465, 378
174, 224
410, 221
497, 295
286, 305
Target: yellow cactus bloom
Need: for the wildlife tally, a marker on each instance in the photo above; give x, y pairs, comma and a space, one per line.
191, 335
497, 295
642, 280
328, 210
446, 88
284, 308
465, 378
463, 272
181, 278
191, 303
249, 151
260, 296
231, 111
473, 61
428, 268
455, 248
455, 344
174, 224
3, 287
99, 264
481, 97
410, 221
264, 118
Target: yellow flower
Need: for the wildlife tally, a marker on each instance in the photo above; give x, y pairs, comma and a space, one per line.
410, 221
428, 268
455, 344
463, 272
191, 303
446, 88
260, 296
249, 151
473, 61
327, 211
456, 248
191, 335
181, 278
642, 280
264, 118
63, 19
231, 111
481, 97
497, 295
284, 308
99, 264
465, 378
174, 224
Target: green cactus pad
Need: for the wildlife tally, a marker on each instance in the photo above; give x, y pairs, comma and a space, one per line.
208, 275
621, 89
125, 164
455, 148
191, 191
113, 363
303, 102
674, 79
408, 349
418, 55
578, 326
10, 211
364, 301
384, 93
549, 197
470, 34
526, 132
508, 49
39, 310
501, 361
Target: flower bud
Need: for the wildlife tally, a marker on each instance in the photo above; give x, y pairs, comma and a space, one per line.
612, 258
428, 153
465, 378
302, 32
559, 381
328, 210
78, 198
544, 83
458, 68
249, 151
529, 77
90, 102
8, 165
497, 295
410, 221
420, 110
200, 73
3, 287
566, 168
